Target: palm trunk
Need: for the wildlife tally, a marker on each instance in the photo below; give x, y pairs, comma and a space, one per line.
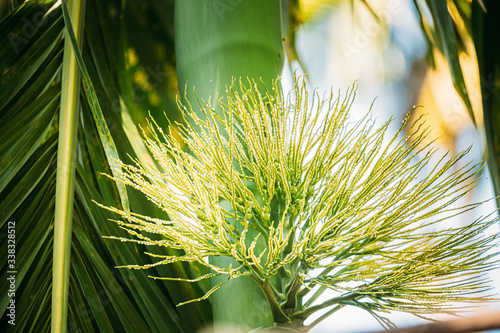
217, 42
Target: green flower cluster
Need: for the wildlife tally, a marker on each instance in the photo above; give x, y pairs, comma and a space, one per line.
306, 201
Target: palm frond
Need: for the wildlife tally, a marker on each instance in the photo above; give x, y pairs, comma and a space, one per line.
485, 31
101, 297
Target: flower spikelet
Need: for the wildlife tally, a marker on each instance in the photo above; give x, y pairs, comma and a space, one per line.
291, 187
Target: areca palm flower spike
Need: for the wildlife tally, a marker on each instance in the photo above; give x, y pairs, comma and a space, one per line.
317, 209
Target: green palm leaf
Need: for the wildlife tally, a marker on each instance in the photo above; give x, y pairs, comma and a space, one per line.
453, 22
101, 297
486, 34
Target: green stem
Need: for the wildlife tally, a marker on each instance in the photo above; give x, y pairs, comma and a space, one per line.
278, 315
322, 289
68, 125
303, 315
324, 316
292, 290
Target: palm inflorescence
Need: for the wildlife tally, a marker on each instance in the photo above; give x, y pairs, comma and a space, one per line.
320, 211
